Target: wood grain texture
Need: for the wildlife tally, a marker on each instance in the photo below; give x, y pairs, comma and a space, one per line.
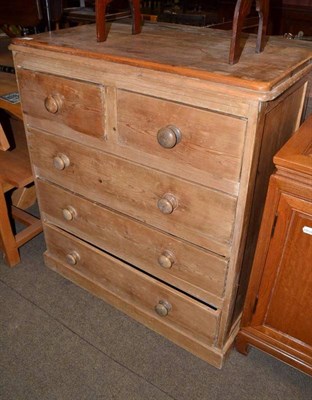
81, 106
198, 272
211, 143
134, 288
204, 217
15, 164
122, 192
296, 155
277, 312
194, 53
282, 118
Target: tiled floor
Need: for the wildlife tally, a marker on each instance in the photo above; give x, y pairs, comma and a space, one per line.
59, 342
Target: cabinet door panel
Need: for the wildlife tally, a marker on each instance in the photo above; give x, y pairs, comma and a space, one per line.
285, 295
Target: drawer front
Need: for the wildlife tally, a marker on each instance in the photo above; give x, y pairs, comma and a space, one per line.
192, 212
133, 287
62, 105
184, 139
187, 267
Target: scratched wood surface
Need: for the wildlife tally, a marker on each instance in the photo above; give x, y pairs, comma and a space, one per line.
189, 51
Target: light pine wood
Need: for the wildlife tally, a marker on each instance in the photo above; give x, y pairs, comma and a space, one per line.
208, 353
14, 164
118, 279
24, 197
192, 47
164, 175
194, 270
112, 181
76, 106
277, 313
15, 172
211, 143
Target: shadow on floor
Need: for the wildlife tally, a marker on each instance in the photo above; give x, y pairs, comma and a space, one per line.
57, 341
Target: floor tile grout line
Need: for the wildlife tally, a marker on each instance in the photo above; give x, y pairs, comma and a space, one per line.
83, 339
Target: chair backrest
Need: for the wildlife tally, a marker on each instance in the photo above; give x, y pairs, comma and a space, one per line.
20, 12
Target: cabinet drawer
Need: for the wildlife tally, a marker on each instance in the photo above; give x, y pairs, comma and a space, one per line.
132, 288
62, 105
199, 215
184, 139
187, 267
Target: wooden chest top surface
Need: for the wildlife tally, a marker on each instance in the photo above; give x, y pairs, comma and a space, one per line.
189, 51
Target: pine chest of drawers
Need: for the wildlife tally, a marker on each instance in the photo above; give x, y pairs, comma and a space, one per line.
151, 156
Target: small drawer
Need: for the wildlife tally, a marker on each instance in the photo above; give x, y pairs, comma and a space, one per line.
184, 140
189, 268
62, 106
130, 289
192, 212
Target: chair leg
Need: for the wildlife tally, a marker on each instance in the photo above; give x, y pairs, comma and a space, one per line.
7, 238
242, 9
136, 16
262, 7
100, 14
100, 10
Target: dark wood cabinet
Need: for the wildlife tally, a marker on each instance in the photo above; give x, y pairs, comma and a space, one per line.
277, 316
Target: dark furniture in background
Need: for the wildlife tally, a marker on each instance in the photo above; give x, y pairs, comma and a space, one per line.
285, 16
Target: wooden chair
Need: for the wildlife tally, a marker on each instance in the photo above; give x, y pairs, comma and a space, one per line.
100, 10
242, 9
15, 172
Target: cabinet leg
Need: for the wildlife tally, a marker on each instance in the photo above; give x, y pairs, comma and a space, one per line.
241, 344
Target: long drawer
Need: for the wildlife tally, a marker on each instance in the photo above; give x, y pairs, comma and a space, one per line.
131, 289
195, 213
191, 269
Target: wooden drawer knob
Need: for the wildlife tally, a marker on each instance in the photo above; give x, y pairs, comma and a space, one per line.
72, 258
61, 161
163, 308
166, 259
53, 103
169, 136
167, 204
69, 213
